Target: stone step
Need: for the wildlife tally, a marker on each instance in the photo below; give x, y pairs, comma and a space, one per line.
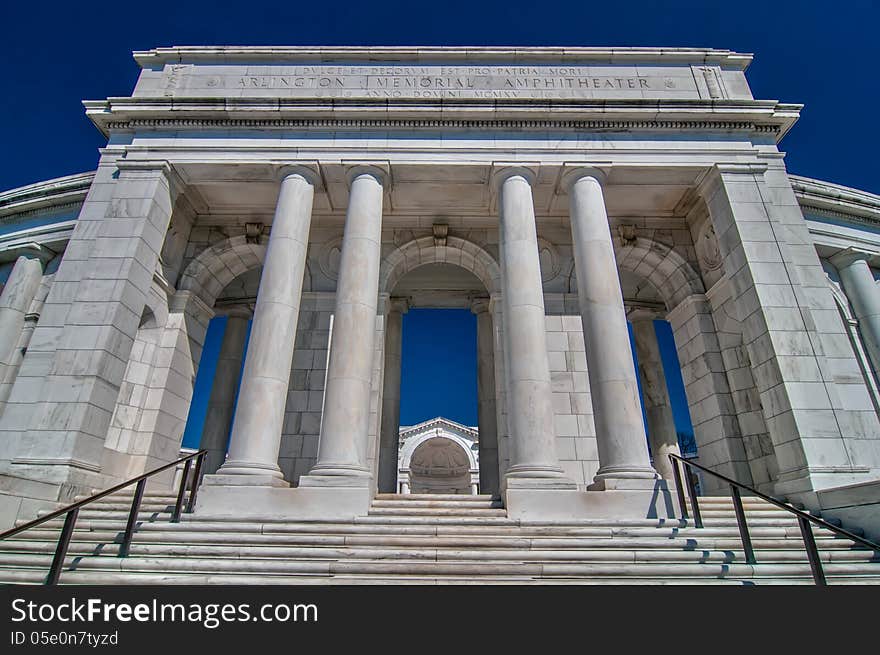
433, 497
642, 528
469, 504
436, 511
25, 576
95, 539
122, 506
435, 568
385, 552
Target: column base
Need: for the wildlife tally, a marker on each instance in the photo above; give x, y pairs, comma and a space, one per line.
244, 473
275, 503
562, 505
611, 478
221, 479
523, 482
537, 477
336, 476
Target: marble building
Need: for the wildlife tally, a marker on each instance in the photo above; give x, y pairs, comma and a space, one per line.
315, 194
438, 456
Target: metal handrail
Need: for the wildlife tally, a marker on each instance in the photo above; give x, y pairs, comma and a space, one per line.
804, 519
72, 511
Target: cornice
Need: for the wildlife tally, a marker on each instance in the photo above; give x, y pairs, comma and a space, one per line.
437, 421
836, 201
58, 193
193, 123
400, 54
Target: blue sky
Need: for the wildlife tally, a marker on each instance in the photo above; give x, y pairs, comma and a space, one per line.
55, 54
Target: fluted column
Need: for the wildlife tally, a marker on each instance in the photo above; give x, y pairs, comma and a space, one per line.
533, 459
864, 296
487, 419
390, 432
658, 409
256, 432
15, 301
342, 447
623, 450
221, 402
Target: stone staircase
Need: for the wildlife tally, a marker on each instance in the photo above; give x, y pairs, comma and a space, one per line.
421, 539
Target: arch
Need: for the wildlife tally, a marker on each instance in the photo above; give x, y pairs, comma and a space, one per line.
422, 251
215, 267
411, 445
661, 266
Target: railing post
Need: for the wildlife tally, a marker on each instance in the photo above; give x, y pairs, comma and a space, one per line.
812, 551
195, 484
175, 517
676, 472
692, 493
125, 546
61, 549
741, 524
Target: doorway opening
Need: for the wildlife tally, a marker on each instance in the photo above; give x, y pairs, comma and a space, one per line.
438, 428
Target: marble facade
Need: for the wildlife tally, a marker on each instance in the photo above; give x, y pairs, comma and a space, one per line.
557, 193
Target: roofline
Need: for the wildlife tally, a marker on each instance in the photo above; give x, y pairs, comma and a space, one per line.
509, 54
835, 199
145, 113
46, 193
407, 429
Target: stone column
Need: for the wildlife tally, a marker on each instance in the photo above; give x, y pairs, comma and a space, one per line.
487, 419
15, 301
658, 409
623, 450
864, 296
218, 420
342, 446
390, 432
256, 432
533, 459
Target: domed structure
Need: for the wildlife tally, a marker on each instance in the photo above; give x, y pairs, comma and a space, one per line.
439, 456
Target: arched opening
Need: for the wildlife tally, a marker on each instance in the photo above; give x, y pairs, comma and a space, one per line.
442, 465
427, 291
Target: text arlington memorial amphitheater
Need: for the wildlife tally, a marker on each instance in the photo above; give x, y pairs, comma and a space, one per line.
300, 200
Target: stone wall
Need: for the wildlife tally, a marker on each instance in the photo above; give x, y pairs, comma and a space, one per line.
573, 421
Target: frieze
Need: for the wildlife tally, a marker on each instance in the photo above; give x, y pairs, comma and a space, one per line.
470, 82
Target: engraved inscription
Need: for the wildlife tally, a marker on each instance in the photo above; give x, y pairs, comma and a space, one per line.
438, 81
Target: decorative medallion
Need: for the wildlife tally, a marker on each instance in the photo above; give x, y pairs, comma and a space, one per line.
707, 248
549, 258
328, 260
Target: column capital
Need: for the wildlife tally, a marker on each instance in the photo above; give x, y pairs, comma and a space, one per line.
642, 315
572, 174
480, 305
308, 171
139, 168
237, 311
849, 256
381, 171
715, 176
398, 305
503, 172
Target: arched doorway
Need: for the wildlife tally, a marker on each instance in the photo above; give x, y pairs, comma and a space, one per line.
454, 274
439, 457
